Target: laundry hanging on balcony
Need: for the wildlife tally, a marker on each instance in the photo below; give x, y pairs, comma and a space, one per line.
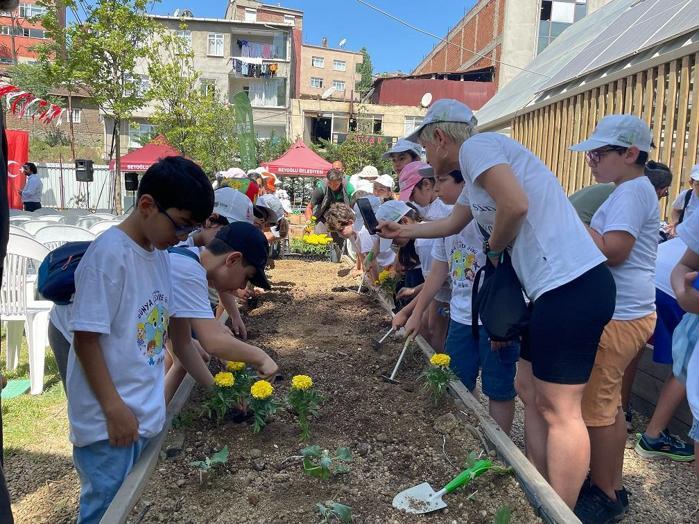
256, 49
252, 68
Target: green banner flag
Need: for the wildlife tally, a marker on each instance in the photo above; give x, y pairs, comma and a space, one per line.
247, 143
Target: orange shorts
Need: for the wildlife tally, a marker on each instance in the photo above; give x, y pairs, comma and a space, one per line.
620, 343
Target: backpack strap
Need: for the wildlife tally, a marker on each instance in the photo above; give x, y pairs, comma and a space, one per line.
184, 252
687, 198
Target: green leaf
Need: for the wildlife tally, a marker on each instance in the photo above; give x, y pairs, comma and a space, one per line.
220, 457
343, 454
311, 451
503, 516
343, 512
325, 461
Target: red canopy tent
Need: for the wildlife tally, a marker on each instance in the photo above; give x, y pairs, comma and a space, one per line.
141, 159
299, 160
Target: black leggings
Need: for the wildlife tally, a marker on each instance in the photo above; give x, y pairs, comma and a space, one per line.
32, 206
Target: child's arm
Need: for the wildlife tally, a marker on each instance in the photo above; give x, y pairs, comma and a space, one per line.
180, 331
230, 304
122, 424
682, 278
439, 272
217, 341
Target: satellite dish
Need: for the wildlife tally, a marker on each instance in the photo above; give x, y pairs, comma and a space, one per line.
329, 91
342, 42
426, 100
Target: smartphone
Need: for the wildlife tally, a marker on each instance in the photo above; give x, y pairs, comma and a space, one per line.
368, 215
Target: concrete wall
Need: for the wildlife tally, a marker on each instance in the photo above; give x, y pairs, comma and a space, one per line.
519, 38
350, 76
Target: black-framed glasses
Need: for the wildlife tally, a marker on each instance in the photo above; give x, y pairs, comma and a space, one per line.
180, 230
594, 157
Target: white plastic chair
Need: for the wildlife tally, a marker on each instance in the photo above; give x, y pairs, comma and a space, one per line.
21, 311
43, 211
52, 218
18, 219
101, 227
103, 216
14, 230
87, 221
35, 225
58, 234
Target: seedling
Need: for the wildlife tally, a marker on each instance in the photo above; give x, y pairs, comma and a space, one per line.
319, 463
503, 516
332, 512
205, 466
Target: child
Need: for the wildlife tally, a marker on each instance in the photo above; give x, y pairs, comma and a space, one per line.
236, 255
402, 153
383, 187
408, 262
385, 256
120, 312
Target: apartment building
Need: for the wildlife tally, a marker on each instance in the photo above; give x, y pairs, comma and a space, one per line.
329, 71
19, 33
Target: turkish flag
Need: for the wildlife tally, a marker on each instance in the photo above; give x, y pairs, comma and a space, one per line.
17, 155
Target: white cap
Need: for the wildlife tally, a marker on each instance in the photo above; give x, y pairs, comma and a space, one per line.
234, 172
386, 181
401, 146
444, 110
368, 172
233, 205
374, 201
694, 174
272, 203
618, 130
392, 210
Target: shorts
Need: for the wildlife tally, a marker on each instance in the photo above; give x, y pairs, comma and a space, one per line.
694, 431
620, 343
468, 355
565, 327
669, 315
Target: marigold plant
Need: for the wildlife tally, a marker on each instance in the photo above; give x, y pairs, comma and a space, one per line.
235, 366
387, 281
441, 360
438, 375
222, 397
262, 404
305, 401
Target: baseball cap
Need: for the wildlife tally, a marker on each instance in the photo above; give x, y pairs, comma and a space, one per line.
410, 177
426, 172
252, 244
374, 201
694, 174
444, 110
386, 181
368, 172
618, 130
401, 146
233, 205
234, 172
392, 210
274, 205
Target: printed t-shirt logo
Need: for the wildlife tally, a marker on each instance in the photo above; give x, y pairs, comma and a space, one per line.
463, 264
152, 328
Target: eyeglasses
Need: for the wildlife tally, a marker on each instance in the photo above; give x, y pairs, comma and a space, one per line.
180, 230
594, 157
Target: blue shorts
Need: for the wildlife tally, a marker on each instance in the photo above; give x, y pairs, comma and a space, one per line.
468, 355
694, 431
669, 315
102, 469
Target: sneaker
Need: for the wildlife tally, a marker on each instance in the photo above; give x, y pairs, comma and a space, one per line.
622, 495
666, 445
595, 507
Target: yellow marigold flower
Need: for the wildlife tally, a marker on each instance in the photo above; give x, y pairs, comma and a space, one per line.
261, 390
235, 366
384, 275
224, 379
440, 359
301, 382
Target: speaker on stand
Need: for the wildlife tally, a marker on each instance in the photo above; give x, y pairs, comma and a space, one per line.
84, 172
131, 184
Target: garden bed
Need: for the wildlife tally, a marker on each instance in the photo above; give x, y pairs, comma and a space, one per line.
395, 434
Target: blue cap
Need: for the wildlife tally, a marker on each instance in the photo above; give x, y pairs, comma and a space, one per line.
252, 244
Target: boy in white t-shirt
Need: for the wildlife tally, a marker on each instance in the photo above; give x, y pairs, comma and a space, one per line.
120, 313
457, 258
687, 202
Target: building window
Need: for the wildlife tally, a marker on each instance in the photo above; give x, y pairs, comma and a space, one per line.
76, 116
37, 33
316, 82
339, 65
268, 93
6, 60
208, 87
215, 44
30, 10
555, 17
411, 124
339, 85
318, 61
5, 30
186, 37
290, 19
366, 124
140, 134
250, 15
141, 85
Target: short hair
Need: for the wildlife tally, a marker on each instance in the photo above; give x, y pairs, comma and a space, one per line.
457, 132
334, 174
32, 167
177, 182
642, 158
338, 216
456, 175
659, 174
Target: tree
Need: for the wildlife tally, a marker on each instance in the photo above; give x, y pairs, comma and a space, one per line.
31, 77
272, 148
367, 72
102, 53
355, 154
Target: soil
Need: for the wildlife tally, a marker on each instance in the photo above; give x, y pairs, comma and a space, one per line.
390, 428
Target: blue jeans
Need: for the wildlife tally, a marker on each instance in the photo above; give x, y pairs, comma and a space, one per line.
468, 355
102, 469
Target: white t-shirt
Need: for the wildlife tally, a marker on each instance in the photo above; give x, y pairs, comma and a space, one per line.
190, 290
669, 254
691, 207
633, 207
122, 292
688, 231
464, 254
552, 247
386, 256
423, 246
60, 318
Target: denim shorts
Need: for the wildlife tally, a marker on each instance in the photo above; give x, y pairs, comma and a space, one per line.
694, 432
469, 355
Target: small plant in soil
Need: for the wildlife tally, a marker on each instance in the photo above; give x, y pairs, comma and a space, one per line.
388, 280
222, 396
243, 379
262, 404
205, 466
319, 463
332, 512
305, 401
438, 375
503, 516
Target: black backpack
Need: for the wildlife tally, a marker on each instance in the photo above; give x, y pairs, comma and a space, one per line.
687, 198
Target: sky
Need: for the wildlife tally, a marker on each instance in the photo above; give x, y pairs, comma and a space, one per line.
391, 45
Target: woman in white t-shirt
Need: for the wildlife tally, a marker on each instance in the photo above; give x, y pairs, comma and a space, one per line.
625, 229
687, 202
521, 205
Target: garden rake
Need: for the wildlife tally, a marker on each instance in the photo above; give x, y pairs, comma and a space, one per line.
376, 344
392, 377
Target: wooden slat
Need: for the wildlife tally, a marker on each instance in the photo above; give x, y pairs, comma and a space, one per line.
590, 125
670, 112
649, 96
619, 97
609, 100
538, 125
681, 134
691, 156
659, 105
556, 148
576, 157
546, 138
530, 130
566, 141
601, 106
628, 95
638, 95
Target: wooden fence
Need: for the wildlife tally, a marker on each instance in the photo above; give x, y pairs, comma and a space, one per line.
666, 96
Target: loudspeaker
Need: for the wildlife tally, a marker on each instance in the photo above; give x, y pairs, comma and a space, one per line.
84, 172
131, 181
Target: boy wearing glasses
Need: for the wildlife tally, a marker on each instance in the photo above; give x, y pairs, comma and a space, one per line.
119, 317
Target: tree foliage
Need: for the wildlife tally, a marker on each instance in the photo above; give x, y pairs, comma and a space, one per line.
367, 72
355, 154
30, 77
272, 148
